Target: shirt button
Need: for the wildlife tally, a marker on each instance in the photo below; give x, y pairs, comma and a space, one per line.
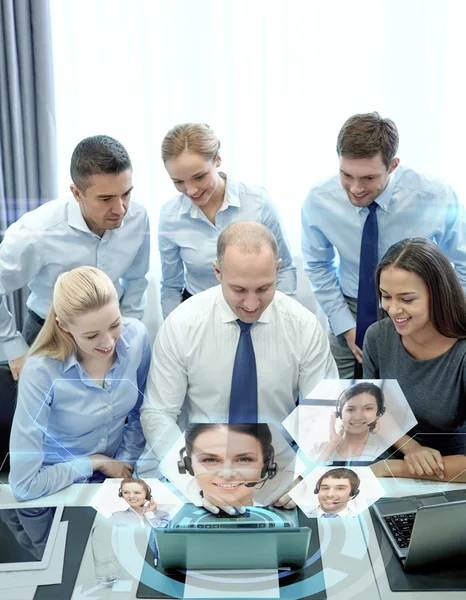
109, 407
102, 440
108, 383
385, 206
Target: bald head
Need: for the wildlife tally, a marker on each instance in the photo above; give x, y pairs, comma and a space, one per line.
247, 267
248, 237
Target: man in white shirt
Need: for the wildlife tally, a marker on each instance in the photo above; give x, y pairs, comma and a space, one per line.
335, 489
196, 348
99, 227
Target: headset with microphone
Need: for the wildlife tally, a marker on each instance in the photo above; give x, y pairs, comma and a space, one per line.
148, 491
268, 471
362, 388
341, 473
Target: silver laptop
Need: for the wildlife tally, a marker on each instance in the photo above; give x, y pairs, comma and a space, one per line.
424, 529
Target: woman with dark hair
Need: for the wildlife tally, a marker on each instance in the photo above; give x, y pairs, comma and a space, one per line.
423, 346
228, 461
359, 409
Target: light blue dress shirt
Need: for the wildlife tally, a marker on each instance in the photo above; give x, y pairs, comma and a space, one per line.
188, 240
412, 205
63, 416
130, 518
53, 239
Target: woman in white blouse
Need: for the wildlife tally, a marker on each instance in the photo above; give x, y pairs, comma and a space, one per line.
208, 201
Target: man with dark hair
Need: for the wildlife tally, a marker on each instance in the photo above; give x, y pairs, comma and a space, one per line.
343, 241
335, 489
99, 227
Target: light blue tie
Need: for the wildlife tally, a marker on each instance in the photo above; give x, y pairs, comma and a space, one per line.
243, 396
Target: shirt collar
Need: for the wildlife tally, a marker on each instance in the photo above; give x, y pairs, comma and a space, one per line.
75, 217
343, 513
227, 315
121, 350
231, 199
383, 199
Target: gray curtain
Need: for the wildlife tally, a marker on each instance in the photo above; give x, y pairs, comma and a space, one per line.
28, 152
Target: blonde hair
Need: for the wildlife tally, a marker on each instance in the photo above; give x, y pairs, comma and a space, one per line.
75, 293
197, 138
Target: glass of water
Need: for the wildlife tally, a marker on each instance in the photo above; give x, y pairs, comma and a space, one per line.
107, 567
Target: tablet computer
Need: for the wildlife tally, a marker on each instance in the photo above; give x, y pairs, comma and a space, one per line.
27, 537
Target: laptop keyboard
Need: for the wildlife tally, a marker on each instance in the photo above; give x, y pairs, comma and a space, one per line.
401, 527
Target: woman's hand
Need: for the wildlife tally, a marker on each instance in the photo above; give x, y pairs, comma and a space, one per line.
151, 506
285, 501
113, 468
422, 460
335, 438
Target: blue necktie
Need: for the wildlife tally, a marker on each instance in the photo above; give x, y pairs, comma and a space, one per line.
243, 396
367, 295
329, 516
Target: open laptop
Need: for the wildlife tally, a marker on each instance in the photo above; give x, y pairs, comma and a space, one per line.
193, 517
424, 529
260, 539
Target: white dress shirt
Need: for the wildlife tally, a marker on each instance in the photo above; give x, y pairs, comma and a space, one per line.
194, 353
346, 513
53, 239
188, 240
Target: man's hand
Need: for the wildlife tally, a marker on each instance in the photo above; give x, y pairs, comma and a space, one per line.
115, 469
16, 366
350, 337
424, 461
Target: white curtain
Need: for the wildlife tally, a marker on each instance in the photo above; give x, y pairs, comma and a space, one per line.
275, 79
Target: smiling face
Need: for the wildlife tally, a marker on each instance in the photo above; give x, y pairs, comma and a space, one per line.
223, 461
358, 413
96, 333
405, 298
105, 201
196, 177
248, 281
334, 494
364, 179
134, 494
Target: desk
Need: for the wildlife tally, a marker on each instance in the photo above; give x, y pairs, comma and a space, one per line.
349, 571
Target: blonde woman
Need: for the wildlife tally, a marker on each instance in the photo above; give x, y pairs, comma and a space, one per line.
80, 391
208, 201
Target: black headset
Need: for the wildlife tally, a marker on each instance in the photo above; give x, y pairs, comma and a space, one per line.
342, 401
148, 493
269, 470
354, 487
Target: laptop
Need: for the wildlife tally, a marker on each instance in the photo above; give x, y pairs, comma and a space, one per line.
424, 529
193, 517
196, 539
